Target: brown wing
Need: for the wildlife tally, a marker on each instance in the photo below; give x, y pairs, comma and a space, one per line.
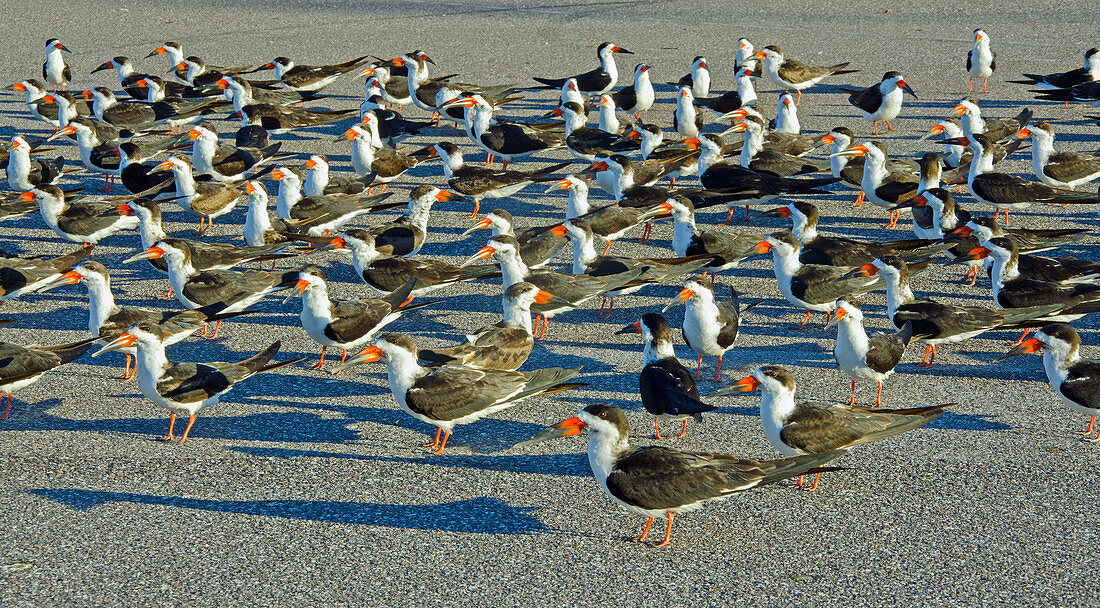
354, 319
868, 99
18, 363
1068, 166
1005, 188
660, 478
212, 197
796, 72
454, 391
196, 382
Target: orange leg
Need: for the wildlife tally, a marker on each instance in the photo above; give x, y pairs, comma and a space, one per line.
874, 125
645, 233
816, 478
985, 85
656, 429
603, 303
699, 367
438, 432
796, 102
168, 294
1088, 431
202, 224
828, 315
545, 325
803, 324
799, 484
171, 426
929, 348
488, 158
729, 219
971, 84
888, 126
1027, 330
859, 199
878, 398
893, 223
7, 409
1006, 217
852, 399
504, 164
477, 205
972, 274
217, 327
684, 429
608, 248
645, 532
717, 373
187, 431
610, 307
446, 436
668, 531
321, 363
343, 358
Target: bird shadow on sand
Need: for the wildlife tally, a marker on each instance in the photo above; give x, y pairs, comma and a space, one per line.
481, 515
294, 426
573, 465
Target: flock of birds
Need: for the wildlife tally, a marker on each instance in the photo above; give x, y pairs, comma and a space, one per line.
121, 136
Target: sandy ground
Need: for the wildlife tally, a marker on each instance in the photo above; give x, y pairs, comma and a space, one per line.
306, 489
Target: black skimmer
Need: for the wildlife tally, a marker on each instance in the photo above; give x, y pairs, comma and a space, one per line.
593, 82
22, 366
880, 186
54, 71
376, 163
1058, 169
1009, 263
107, 320
35, 99
450, 395
630, 181
698, 78
653, 147
646, 271
936, 323
259, 227
504, 138
25, 174
310, 77
570, 290
793, 74
1005, 191
813, 287
743, 56
83, 220
127, 76
638, 97
387, 273
393, 88
140, 116
812, 427
786, 116
503, 346
996, 129
1030, 240
609, 222
585, 142
392, 127
755, 155
324, 213
235, 290
175, 56
405, 235
143, 178
687, 240
743, 95
795, 144
869, 358
839, 251
346, 324
980, 61
1013, 289
480, 183
954, 155
881, 101
665, 386
935, 216
537, 245
226, 163
686, 119
655, 480
67, 108
185, 388
319, 182
208, 200
1072, 377
276, 119
1065, 80
204, 255
19, 276
710, 327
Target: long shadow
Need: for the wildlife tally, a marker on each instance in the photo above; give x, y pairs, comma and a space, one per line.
482, 515
573, 465
968, 422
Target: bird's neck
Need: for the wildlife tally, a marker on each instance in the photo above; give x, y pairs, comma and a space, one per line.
289, 195
683, 230
517, 313
316, 180
603, 452
897, 294
656, 350
577, 204
101, 303
256, 222
402, 371
512, 269
584, 253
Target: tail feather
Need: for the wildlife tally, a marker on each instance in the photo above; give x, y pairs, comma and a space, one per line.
256, 362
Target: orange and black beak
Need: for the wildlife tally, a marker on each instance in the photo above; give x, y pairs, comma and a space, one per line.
760, 248
545, 297
106, 65
151, 253
747, 384
484, 253
369, 354
69, 278
27, 197
684, 295
976, 253
779, 212
126, 340
600, 165
959, 233
867, 270
633, 328
1022, 134
1031, 345
565, 428
559, 230
278, 174
482, 224
193, 134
